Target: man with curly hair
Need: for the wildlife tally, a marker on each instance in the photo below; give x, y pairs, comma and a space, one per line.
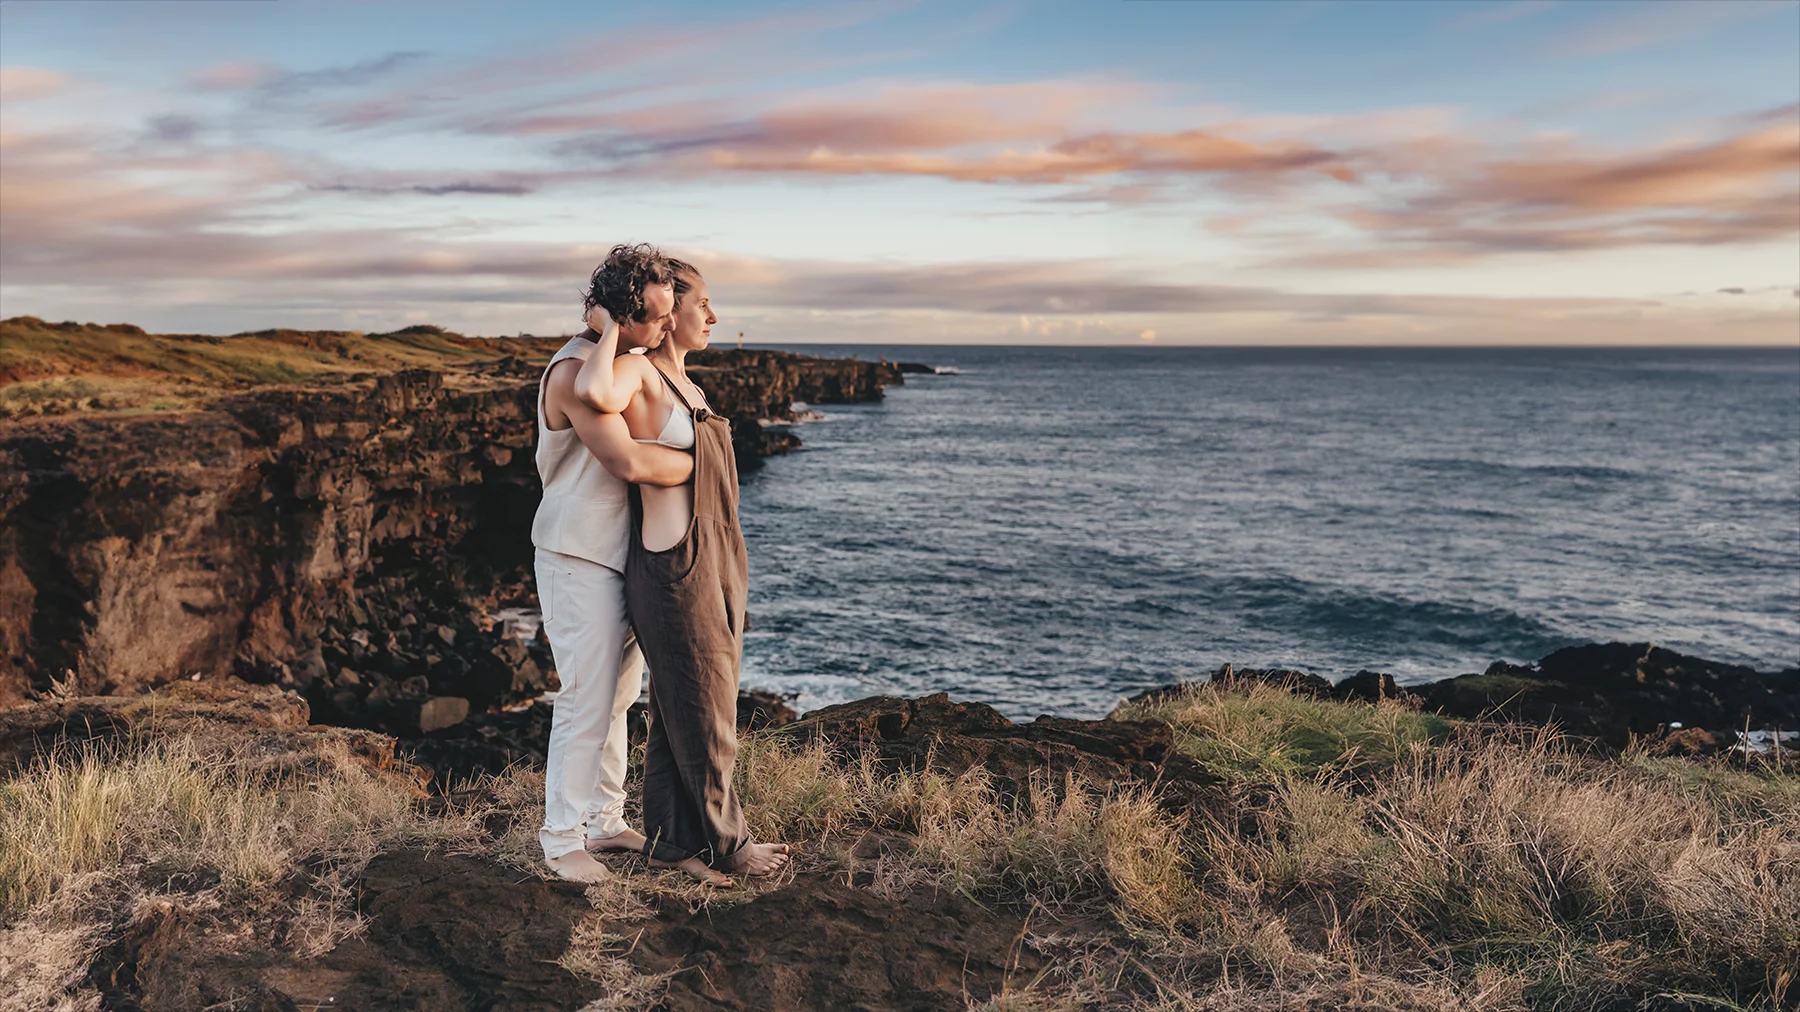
587, 460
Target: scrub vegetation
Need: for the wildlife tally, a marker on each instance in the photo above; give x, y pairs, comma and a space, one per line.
1363, 856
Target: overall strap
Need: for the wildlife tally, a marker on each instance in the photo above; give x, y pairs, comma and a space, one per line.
673, 388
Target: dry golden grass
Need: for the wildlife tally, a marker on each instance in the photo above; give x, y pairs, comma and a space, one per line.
1493, 871
1063, 843
1375, 859
173, 803
1593, 882
87, 834
598, 950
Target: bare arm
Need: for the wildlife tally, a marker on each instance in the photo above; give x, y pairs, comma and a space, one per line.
608, 438
598, 384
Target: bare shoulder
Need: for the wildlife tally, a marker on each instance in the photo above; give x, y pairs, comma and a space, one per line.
635, 366
562, 376
636, 374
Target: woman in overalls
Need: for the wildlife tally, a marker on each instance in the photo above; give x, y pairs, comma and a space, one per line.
686, 578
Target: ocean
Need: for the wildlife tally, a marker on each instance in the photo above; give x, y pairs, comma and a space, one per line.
1054, 528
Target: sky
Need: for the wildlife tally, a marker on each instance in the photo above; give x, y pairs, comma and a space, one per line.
1520, 172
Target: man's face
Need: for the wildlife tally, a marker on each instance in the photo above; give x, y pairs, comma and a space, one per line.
659, 319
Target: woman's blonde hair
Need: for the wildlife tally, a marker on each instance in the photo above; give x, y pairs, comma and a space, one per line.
683, 275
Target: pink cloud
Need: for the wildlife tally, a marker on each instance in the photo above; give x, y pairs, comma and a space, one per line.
1028, 132
1693, 176
19, 84
1742, 189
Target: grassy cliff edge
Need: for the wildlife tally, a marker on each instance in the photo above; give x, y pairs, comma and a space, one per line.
1339, 855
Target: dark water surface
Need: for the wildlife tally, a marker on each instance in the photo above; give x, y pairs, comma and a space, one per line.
1056, 527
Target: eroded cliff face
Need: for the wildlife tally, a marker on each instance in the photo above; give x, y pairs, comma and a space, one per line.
351, 543
140, 550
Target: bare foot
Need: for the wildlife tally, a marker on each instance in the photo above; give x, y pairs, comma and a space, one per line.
579, 866
625, 839
698, 869
758, 858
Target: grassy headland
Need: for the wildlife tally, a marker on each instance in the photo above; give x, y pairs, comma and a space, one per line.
1355, 855
54, 368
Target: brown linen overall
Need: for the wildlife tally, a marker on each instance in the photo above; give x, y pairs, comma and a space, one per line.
687, 605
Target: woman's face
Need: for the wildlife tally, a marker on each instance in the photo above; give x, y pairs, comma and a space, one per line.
694, 318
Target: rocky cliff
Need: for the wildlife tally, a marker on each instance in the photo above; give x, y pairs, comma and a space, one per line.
753, 386
351, 541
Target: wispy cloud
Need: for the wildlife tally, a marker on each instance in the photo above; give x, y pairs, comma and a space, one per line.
1622, 27
466, 176
20, 84
288, 84
1067, 288
1021, 133
466, 186
1742, 189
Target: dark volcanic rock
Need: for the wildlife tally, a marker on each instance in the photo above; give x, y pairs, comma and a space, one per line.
1615, 690
759, 709
1302, 682
433, 713
960, 736
1608, 692
1368, 686
490, 742
753, 386
929, 952
247, 538
1364, 686
284, 534
444, 933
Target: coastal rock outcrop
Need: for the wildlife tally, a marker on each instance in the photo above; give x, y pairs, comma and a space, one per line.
492, 741
753, 387
136, 551
1609, 692
1612, 691
952, 736
355, 542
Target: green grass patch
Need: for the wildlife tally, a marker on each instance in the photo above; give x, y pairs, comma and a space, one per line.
1254, 731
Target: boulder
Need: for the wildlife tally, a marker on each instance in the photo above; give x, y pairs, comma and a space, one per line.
934, 730
434, 713
1303, 682
1368, 686
760, 708
1614, 691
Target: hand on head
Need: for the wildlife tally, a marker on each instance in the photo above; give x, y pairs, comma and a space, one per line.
598, 318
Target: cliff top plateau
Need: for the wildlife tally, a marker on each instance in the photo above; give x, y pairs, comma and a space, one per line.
53, 368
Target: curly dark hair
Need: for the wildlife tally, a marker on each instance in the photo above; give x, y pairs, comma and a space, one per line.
619, 282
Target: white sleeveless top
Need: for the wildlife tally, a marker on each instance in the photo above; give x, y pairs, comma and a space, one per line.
586, 512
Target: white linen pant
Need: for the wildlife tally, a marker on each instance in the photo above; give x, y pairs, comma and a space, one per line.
602, 672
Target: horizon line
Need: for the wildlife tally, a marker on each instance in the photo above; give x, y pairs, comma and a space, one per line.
779, 345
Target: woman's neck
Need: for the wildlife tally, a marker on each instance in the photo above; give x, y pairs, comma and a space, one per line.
672, 355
